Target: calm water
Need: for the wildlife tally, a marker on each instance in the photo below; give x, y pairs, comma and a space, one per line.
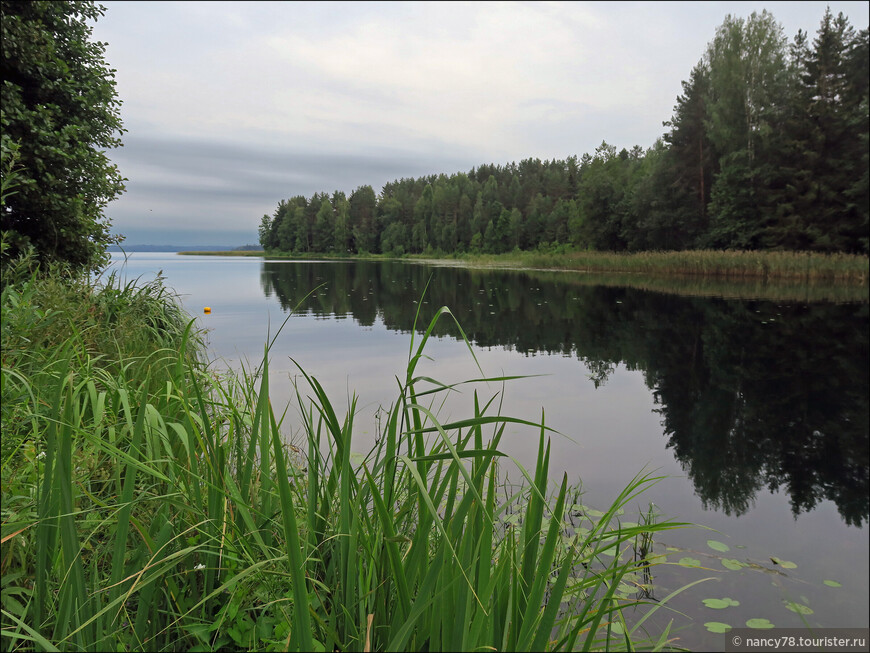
756, 411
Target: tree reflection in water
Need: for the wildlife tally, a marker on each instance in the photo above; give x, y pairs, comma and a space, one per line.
752, 393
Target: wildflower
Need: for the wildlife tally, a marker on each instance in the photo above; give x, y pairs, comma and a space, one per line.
199, 567
40, 455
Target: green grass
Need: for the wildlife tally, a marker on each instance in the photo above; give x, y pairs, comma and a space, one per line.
150, 503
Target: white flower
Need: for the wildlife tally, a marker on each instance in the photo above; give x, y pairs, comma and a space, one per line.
40, 455
199, 567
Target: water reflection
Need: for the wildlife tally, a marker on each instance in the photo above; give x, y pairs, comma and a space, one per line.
752, 393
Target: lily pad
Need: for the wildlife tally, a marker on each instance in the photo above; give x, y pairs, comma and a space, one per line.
717, 627
625, 590
357, 459
720, 604
718, 546
689, 562
732, 564
785, 564
832, 583
759, 624
799, 608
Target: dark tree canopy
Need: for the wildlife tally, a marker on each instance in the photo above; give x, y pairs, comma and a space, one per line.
60, 113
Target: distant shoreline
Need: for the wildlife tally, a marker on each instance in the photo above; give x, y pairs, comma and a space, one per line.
231, 252
145, 247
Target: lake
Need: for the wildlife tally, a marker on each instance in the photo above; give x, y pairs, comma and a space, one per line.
755, 411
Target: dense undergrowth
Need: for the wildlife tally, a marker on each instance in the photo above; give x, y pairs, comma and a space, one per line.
150, 503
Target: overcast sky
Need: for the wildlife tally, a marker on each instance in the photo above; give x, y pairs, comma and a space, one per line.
233, 106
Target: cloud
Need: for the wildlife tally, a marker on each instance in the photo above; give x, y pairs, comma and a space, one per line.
208, 185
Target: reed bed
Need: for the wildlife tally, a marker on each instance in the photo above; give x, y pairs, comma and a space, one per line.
804, 267
152, 504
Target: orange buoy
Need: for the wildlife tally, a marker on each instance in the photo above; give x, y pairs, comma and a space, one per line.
207, 309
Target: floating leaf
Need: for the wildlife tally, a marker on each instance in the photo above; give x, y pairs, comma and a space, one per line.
689, 562
625, 589
616, 628
720, 604
732, 564
718, 546
832, 583
799, 608
717, 627
672, 548
759, 624
785, 564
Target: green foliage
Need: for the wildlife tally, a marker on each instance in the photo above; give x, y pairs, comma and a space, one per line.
324, 228
60, 113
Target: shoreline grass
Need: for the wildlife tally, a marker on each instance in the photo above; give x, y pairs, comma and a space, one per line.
150, 503
806, 267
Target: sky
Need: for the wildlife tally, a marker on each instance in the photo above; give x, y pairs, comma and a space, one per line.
231, 107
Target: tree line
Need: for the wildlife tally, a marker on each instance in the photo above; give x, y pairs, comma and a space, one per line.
767, 148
